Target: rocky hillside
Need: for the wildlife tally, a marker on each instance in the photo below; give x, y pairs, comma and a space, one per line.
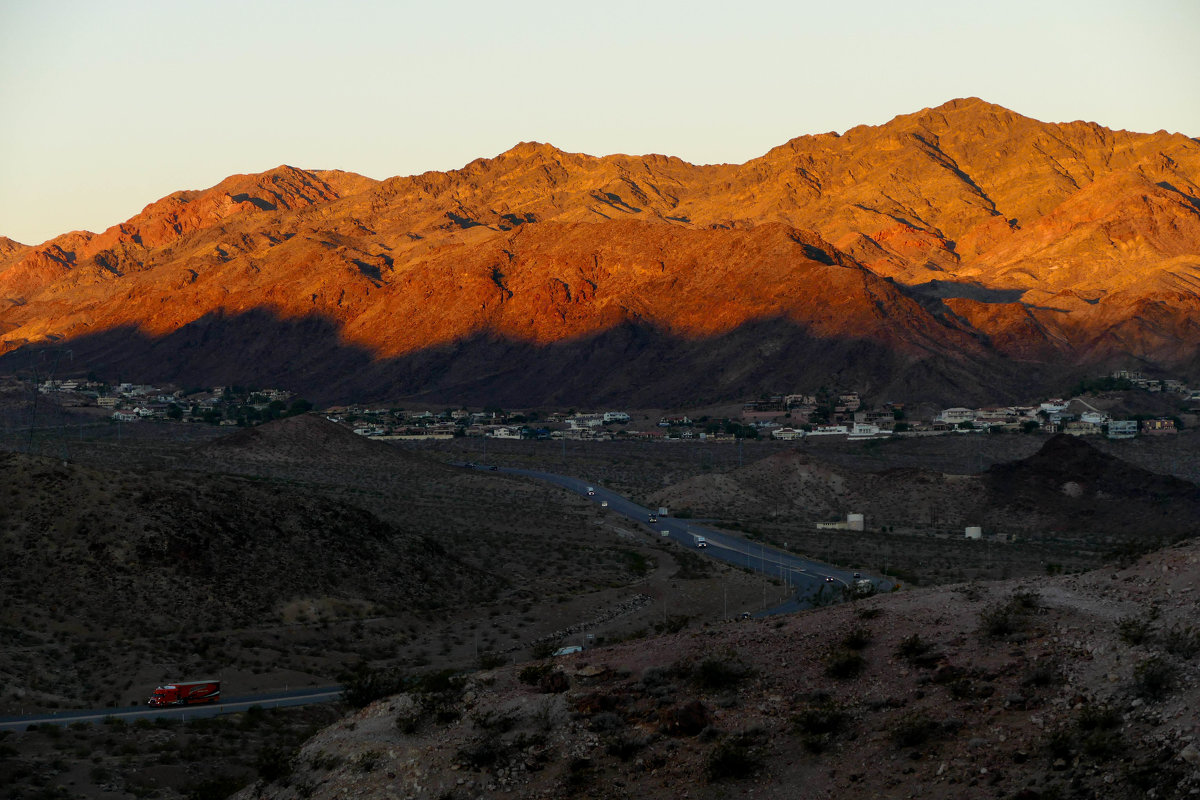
1067, 492
293, 549
959, 252
1078, 686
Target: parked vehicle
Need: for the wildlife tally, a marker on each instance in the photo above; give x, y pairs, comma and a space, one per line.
185, 694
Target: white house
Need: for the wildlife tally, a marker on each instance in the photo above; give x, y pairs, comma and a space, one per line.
787, 434
1122, 429
616, 416
864, 430
957, 415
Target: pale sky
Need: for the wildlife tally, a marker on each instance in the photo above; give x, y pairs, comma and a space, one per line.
108, 106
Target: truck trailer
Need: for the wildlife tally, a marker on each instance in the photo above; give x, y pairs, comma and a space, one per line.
188, 693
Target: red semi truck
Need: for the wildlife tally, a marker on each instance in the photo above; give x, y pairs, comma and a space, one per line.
185, 694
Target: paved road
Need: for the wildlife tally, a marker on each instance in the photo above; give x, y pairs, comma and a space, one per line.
811, 579
295, 697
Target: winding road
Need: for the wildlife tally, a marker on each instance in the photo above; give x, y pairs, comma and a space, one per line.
813, 581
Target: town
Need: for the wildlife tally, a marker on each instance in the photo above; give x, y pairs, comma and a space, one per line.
782, 417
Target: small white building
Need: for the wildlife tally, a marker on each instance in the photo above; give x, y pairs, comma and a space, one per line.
615, 416
957, 415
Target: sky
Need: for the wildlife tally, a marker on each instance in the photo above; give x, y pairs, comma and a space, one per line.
109, 106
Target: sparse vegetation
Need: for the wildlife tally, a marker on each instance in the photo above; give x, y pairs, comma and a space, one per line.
1154, 678
844, 664
820, 722
734, 757
1009, 616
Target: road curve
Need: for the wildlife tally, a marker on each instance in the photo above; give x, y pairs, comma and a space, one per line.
811, 579
814, 581
295, 697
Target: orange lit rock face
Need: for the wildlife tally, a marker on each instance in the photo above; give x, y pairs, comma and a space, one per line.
965, 232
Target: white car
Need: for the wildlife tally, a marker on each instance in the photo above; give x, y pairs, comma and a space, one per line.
604, 504
591, 492
701, 541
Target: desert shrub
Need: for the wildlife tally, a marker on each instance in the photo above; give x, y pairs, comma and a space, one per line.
1026, 600
820, 723
605, 721
368, 761
1103, 745
545, 648
273, 764
1154, 678
1008, 617
1099, 717
912, 647
715, 674
217, 788
480, 753
625, 746
914, 730
998, 620
735, 757
657, 676
323, 760
856, 638
1180, 640
1060, 743
1044, 672
490, 660
533, 673
364, 684
844, 664
1133, 631
495, 721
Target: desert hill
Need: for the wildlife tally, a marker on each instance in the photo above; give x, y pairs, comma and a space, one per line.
959, 252
1074, 686
1066, 503
284, 553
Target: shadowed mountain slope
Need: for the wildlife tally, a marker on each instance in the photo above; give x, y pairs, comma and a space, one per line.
960, 233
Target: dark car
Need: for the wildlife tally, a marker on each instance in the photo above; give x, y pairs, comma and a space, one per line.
653, 518
829, 579
493, 468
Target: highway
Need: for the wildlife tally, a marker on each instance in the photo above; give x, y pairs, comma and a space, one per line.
810, 578
295, 697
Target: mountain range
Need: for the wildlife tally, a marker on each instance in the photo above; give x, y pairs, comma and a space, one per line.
960, 254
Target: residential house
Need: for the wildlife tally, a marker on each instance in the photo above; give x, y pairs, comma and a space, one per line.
1080, 428
787, 434
1158, 426
956, 415
1122, 428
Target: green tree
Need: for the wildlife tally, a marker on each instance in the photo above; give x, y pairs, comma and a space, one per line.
299, 406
